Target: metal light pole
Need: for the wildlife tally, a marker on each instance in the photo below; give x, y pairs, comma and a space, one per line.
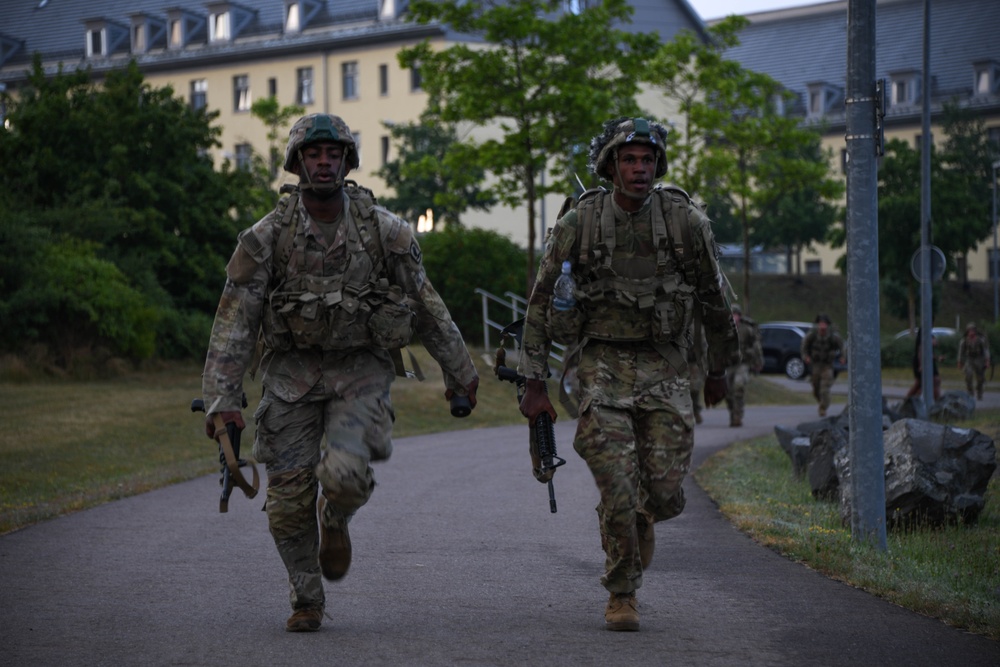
994, 260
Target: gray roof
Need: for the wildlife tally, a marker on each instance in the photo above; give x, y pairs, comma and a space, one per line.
809, 44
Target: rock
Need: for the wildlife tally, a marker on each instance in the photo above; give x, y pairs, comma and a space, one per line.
934, 474
953, 406
796, 445
823, 476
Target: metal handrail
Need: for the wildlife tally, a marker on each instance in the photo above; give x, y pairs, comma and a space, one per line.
518, 308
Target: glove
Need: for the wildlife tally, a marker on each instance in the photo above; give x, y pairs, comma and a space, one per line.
715, 390
232, 417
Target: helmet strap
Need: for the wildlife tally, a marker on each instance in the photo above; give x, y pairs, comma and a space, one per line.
324, 190
620, 186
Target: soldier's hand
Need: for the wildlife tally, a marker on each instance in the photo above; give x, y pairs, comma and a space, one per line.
535, 401
470, 391
715, 389
232, 417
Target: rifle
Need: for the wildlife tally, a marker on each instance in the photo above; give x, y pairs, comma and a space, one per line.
542, 438
228, 438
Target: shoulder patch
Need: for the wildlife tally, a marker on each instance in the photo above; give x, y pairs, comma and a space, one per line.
396, 233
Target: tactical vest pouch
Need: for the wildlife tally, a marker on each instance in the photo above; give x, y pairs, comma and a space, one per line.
565, 326
673, 314
391, 325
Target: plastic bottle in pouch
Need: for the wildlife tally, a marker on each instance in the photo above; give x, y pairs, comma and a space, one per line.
562, 293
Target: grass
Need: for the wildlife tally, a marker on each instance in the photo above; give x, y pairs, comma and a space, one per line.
950, 573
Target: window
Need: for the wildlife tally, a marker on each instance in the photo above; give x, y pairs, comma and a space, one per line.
904, 89
383, 80
241, 93
987, 78
814, 267
176, 33
292, 23
992, 256
138, 39
219, 27
272, 87
243, 153
95, 43
199, 94
304, 92
993, 137
349, 75
416, 81
384, 140
357, 143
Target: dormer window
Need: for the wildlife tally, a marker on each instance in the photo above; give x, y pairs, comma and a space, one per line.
219, 27
183, 28
904, 89
103, 37
227, 20
300, 13
987, 81
147, 32
823, 98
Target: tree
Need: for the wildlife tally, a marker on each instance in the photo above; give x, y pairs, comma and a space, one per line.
432, 171
276, 118
738, 149
547, 77
120, 174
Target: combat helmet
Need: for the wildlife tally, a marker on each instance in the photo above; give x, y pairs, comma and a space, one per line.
320, 127
621, 131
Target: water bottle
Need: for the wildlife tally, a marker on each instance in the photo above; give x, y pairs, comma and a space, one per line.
562, 293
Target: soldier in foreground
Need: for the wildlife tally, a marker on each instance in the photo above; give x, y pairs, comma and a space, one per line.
644, 259
750, 359
335, 286
820, 348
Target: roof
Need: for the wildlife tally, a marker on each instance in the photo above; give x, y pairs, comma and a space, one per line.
808, 44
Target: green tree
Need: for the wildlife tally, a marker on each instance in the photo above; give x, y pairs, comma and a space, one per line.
124, 169
546, 76
459, 259
276, 118
432, 171
738, 150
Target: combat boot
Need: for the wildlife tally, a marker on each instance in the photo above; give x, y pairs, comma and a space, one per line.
334, 546
735, 421
304, 620
647, 540
622, 614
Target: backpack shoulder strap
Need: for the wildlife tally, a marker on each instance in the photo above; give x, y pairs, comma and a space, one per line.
679, 223
588, 208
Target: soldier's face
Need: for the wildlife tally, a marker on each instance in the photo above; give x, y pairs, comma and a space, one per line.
321, 161
636, 167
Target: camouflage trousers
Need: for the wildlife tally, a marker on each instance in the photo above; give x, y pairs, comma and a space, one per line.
319, 444
822, 381
635, 432
737, 379
975, 376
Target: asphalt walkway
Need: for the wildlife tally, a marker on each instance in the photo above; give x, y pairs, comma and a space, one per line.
457, 561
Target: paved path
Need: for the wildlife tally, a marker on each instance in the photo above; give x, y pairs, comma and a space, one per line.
457, 561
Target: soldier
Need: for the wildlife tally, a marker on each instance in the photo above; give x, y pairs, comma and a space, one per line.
820, 348
751, 358
974, 358
335, 286
644, 259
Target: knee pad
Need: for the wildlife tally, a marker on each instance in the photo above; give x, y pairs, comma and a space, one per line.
347, 480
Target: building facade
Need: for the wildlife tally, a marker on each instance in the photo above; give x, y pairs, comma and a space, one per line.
805, 49
331, 56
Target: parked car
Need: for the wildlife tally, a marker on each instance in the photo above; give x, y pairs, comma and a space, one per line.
781, 343
937, 332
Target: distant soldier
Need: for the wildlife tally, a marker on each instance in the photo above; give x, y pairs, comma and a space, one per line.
820, 348
974, 358
751, 358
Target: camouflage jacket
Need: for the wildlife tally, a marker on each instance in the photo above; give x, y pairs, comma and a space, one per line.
633, 247
822, 349
291, 374
976, 351
750, 349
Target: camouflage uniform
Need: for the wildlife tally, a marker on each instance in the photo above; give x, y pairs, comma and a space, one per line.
738, 374
635, 428
325, 413
974, 359
822, 351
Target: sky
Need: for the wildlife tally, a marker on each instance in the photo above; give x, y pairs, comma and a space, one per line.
713, 9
